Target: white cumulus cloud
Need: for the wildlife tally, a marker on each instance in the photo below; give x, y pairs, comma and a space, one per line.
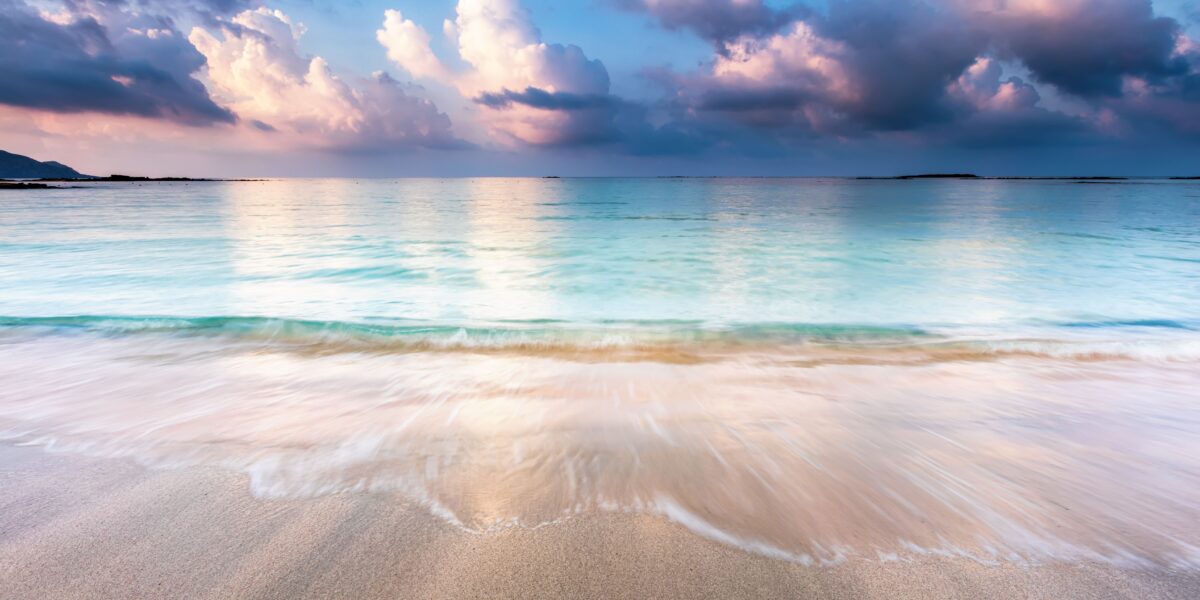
255, 68
539, 93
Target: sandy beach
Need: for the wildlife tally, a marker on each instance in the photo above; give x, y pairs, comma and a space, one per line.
77, 527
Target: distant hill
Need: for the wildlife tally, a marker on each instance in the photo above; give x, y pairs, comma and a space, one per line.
15, 166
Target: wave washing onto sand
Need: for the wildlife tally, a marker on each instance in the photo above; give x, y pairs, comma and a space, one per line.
803, 442
656, 341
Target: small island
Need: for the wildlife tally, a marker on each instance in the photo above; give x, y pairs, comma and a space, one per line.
940, 176
972, 176
20, 185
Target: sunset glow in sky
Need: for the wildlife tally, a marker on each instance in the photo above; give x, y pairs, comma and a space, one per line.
602, 87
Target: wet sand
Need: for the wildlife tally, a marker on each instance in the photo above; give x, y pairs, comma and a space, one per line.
76, 527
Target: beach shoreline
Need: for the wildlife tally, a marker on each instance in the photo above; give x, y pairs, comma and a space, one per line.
76, 527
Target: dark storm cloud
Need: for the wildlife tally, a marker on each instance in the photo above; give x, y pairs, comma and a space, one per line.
539, 98
936, 69
166, 7
1088, 51
899, 56
1169, 110
142, 69
589, 119
718, 20
902, 54
1136, 69
1025, 127
746, 101
602, 120
261, 126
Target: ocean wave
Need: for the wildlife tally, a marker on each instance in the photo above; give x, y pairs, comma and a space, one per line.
1003, 460
797, 344
1134, 323
662, 341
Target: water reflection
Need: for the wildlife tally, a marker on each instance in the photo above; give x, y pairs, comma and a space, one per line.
510, 249
721, 251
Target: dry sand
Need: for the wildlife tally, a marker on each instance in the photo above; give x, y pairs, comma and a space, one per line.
75, 527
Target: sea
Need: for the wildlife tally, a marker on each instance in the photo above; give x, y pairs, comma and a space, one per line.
817, 370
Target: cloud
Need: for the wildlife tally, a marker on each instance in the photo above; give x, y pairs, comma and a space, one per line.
992, 110
529, 92
939, 69
97, 58
503, 51
561, 118
1137, 71
866, 66
718, 20
781, 77
982, 87
904, 69
407, 45
255, 68
1086, 47
537, 98
498, 40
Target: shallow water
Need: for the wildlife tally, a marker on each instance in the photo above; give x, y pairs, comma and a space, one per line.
811, 369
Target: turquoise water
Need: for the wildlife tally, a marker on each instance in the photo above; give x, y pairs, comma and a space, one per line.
814, 369
713, 252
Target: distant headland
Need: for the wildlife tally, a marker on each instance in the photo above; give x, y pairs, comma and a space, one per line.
16, 166
33, 174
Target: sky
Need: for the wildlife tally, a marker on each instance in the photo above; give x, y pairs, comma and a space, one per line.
391, 88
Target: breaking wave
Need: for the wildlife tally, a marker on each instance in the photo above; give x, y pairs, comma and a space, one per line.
654, 341
810, 443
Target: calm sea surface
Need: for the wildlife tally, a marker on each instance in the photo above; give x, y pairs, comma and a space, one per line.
810, 369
